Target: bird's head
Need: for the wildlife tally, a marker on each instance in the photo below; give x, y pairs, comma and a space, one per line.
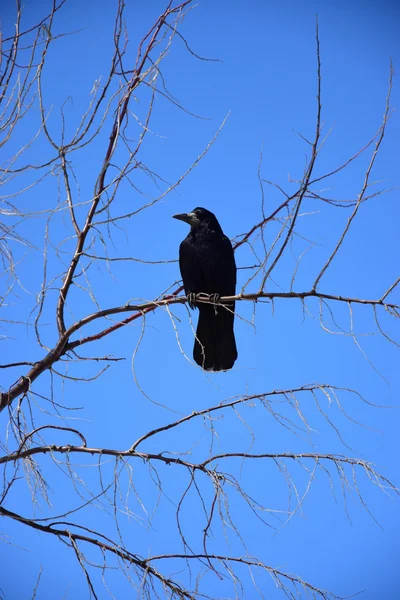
200, 217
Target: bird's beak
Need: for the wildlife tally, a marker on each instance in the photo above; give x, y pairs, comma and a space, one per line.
187, 217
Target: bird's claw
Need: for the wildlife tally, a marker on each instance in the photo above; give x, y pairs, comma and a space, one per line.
191, 300
214, 298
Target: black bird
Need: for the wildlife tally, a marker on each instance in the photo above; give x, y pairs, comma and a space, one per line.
208, 266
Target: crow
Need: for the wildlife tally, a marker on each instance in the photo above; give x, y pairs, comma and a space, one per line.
207, 265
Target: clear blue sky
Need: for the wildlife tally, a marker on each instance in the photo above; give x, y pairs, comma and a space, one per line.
266, 78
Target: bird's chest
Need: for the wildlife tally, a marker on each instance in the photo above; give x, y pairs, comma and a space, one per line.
207, 250
201, 261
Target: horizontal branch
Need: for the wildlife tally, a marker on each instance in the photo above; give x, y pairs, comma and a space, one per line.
206, 299
64, 345
172, 460
142, 309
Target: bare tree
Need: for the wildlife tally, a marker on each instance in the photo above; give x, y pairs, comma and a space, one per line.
77, 233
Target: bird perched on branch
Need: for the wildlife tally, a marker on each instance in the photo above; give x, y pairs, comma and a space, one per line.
207, 265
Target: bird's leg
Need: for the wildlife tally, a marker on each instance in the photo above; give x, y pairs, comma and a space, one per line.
214, 298
191, 299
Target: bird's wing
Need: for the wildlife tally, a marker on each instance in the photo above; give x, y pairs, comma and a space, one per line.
221, 268
228, 263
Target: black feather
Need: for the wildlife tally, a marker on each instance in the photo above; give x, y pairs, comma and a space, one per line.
207, 265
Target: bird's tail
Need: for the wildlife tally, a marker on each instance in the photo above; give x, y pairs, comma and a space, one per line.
215, 346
